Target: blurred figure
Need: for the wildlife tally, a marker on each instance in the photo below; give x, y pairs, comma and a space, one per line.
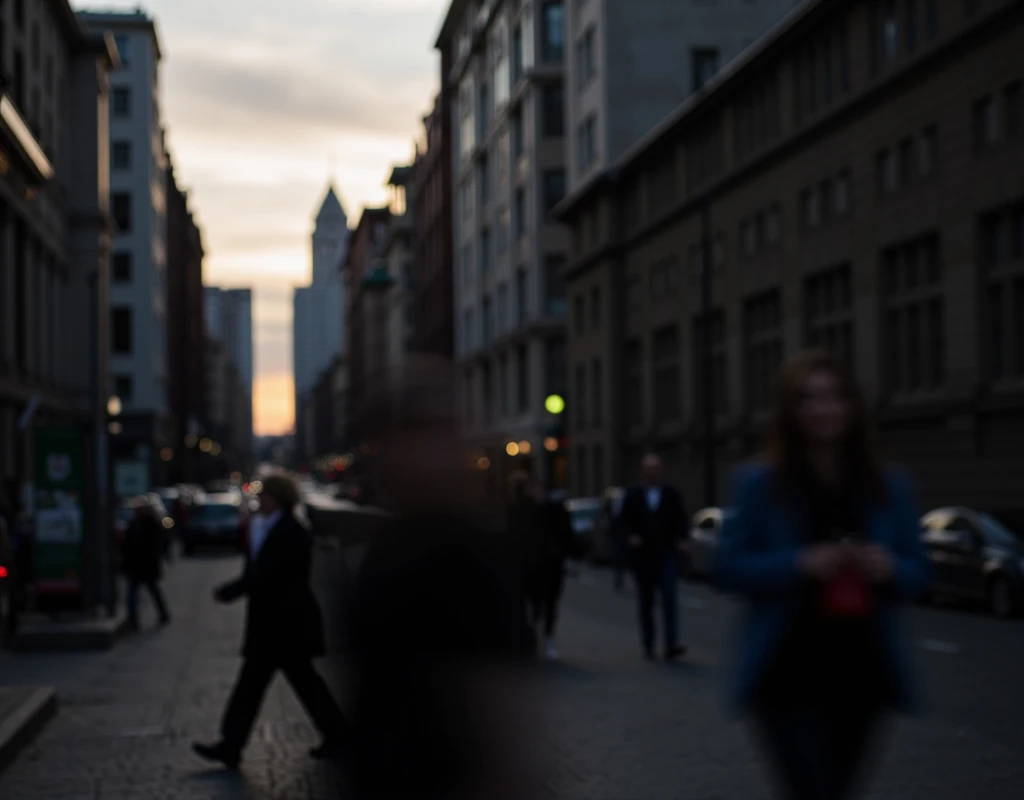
656, 523
284, 629
439, 643
543, 527
141, 558
823, 544
620, 550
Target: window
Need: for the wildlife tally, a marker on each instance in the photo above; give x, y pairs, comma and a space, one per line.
553, 31
841, 200
467, 264
483, 115
986, 124
124, 388
121, 330
520, 213
467, 329
483, 180
704, 63
121, 208
927, 151
516, 125
121, 267
586, 143
580, 397
634, 293
579, 314
581, 470
665, 363
1012, 98
595, 308
503, 385
904, 160
486, 322
556, 368
597, 393
810, 208
763, 346
586, 61
826, 76
598, 474
124, 48
466, 198
502, 308
485, 250
522, 301
913, 314
773, 226
504, 224
931, 14
522, 379
910, 25
517, 54
121, 155
633, 367
554, 188
885, 167
552, 111
469, 400
503, 158
554, 285
843, 39
891, 32
121, 102
828, 312
1001, 253
719, 364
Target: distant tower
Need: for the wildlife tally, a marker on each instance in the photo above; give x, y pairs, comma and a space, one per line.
330, 237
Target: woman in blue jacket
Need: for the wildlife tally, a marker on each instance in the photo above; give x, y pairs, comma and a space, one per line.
823, 544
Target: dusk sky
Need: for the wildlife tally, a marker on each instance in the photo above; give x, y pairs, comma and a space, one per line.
264, 103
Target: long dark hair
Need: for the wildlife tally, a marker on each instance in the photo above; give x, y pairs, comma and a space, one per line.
786, 450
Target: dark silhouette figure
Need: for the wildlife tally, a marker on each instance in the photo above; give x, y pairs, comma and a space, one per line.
283, 632
141, 557
656, 523
823, 544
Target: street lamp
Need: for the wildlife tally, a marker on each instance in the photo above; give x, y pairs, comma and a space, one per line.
206, 445
114, 406
512, 449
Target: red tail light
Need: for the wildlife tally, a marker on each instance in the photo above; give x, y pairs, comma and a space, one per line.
3, 572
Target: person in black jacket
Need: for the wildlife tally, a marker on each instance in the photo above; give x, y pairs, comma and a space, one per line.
655, 520
284, 629
141, 553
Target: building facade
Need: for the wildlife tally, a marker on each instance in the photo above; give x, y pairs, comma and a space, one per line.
433, 316
505, 80
186, 331
318, 320
628, 64
858, 174
228, 315
398, 258
55, 240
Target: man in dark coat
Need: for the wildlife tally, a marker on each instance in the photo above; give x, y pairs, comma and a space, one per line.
656, 522
141, 554
283, 631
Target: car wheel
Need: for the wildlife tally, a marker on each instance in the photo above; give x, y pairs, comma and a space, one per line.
1000, 598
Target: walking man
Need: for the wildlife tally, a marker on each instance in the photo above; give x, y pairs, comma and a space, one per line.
142, 553
284, 629
654, 518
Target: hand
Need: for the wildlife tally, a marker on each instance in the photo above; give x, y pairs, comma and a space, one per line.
635, 542
875, 562
822, 561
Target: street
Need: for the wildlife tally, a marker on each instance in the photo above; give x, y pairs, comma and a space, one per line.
625, 728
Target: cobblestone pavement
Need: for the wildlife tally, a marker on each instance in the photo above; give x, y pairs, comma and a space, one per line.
624, 729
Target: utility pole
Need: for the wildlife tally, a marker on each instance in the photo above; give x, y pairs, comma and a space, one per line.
707, 354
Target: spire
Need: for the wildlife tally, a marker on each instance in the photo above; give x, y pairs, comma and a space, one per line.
331, 208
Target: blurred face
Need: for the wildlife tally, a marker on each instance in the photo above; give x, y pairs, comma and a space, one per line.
823, 411
653, 470
268, 505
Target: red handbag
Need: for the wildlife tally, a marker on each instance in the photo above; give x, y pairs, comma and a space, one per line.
847, 595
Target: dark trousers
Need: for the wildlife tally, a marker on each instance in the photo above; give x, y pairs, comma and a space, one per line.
817, 753
656, 576
132, 600
547, 592
251, 686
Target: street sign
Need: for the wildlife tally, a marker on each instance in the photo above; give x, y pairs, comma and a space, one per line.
131, 478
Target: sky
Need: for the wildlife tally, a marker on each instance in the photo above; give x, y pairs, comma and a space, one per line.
266, 102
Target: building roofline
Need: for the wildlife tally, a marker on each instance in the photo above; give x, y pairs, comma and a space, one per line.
764, 47
123, 19
455, 11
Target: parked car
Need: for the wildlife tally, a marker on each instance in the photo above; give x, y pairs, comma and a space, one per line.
583, 512
603, 545
216, 520
704, 536
975, 558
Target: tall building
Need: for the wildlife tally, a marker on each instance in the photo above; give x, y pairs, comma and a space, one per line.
398, 259
628, 64
503, 69
138, 200
54, 255
859, 172
318, 322
229, 322
432, 299
185, 327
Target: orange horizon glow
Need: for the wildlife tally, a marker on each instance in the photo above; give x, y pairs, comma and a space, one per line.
273, 404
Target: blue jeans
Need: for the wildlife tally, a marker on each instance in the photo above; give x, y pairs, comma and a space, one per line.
659, 577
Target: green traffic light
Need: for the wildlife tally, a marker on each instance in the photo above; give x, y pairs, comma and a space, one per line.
554, 404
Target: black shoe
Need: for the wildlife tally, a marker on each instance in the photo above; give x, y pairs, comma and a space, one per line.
330, 750
219, 753
675, 652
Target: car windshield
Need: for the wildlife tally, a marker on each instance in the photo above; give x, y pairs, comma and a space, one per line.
215, 512
995, 531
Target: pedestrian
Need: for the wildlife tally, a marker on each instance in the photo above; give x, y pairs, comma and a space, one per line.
824, 543
283, 632
654, 518
141, 557
543, 527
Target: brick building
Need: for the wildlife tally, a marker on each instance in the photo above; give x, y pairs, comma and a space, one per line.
860, 169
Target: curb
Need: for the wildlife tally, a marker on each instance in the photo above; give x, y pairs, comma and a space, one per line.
50, 637
19, 728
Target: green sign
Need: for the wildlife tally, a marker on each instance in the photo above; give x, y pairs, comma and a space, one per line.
59, 487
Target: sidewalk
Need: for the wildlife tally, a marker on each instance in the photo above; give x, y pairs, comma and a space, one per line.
24, 711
